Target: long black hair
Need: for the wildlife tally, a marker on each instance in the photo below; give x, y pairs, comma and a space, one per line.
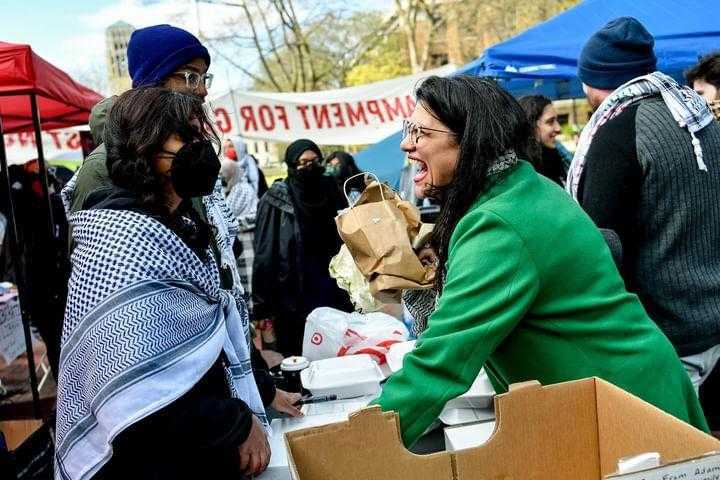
487, 122
138, 125
348, 168
534, 106
547, 161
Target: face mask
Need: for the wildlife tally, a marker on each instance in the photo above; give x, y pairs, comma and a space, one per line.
311, 171
332, 170
195, 170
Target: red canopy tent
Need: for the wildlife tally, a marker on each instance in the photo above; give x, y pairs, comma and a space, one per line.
62, 101
35, 95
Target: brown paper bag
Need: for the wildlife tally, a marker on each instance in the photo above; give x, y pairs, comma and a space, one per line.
379, 230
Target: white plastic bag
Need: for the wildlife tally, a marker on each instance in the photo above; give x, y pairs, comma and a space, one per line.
332, 333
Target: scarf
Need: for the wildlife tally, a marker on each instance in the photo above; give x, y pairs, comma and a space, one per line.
243, 202
687, 108
146, 319
715, 108
246, 162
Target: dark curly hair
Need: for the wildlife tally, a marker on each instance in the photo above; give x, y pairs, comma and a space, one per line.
138, 125
707, 69
487, 122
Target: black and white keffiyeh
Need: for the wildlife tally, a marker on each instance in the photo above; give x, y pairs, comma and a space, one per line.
687, 108
146, 319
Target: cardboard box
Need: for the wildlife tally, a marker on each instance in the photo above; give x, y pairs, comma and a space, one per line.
569, 431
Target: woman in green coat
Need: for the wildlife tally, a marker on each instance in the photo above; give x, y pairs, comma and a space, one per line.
528, 287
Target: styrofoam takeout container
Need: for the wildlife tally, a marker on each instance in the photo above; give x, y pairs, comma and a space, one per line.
396, 353
346, 377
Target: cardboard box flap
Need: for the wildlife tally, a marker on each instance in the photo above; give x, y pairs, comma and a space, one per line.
540, 432
368, 445
568, 431
628, 426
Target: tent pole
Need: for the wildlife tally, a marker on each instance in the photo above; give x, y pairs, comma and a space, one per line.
41, 162
19, 275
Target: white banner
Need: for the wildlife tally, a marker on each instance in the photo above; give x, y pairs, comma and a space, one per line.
62, 144
346, 116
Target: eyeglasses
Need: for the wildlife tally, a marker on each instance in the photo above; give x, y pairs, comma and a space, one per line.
193, 79
416, 131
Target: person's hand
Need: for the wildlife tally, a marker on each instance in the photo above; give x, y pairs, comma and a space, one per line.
255, 451
285, 402
428, 257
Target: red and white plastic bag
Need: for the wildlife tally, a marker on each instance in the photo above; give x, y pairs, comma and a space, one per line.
332, 333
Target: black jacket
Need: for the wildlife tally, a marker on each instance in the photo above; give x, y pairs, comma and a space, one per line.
290, 278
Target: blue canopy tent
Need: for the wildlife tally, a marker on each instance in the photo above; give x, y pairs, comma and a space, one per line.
543, 59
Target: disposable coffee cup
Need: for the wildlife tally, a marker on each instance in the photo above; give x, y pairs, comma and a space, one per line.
291, 368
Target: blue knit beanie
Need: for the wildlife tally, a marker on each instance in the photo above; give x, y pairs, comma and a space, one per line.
617, 53
157, 51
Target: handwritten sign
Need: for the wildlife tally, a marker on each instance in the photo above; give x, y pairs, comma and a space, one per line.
12, 337
702, 468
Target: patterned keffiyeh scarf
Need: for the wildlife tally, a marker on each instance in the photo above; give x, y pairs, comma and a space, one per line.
146, 319
687, 108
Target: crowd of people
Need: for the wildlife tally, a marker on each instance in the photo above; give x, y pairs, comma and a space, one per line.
551, 266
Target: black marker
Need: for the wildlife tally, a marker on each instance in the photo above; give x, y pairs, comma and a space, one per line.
320, 399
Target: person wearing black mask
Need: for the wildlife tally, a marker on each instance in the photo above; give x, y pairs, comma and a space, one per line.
155, 378
295, 238
341, 166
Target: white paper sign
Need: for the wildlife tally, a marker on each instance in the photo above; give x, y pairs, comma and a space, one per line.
12, 337
702, 468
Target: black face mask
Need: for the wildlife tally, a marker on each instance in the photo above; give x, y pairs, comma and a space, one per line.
311, 171
195, 170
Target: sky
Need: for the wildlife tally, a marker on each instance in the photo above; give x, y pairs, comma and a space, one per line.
71, 34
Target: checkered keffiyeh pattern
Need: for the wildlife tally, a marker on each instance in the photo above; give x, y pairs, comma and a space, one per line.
146, 318
245, 258
687, 108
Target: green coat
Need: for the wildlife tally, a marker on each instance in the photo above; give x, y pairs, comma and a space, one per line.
532, 293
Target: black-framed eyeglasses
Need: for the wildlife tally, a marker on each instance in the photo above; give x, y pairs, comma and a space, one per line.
415, 131
193, 79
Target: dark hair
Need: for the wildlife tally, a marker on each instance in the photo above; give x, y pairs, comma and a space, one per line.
707, 69
534, 105
348, 167
487, 122
138, 125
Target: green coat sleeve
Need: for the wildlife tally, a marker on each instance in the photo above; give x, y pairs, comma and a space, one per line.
491, 283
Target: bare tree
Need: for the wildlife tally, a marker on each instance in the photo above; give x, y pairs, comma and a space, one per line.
92, 75
415, 18
298, 51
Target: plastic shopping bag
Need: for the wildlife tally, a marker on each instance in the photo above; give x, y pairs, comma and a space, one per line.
332, 333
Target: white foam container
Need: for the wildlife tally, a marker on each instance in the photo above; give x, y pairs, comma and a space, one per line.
396, 353
468, 436
480, 394
346, 377
463, 416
